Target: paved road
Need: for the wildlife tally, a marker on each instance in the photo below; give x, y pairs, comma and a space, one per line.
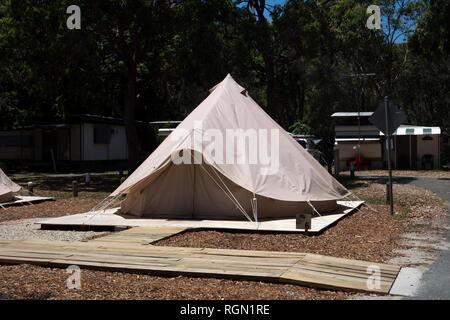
435, 283
436, 280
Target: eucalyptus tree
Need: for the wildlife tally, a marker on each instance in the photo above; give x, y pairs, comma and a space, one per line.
431, 38
400, 19
11, 70
131, 36
256, 29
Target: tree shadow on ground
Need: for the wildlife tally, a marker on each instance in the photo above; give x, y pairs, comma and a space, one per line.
104, 184
356, 182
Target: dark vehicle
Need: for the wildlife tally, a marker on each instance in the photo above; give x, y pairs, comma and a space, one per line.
310, 144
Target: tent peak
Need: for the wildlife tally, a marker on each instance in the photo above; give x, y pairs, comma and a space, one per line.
228, 77
229, 80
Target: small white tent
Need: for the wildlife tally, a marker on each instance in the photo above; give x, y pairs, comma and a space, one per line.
214, 186
7, 188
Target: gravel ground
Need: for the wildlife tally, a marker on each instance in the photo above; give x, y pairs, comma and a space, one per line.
30, 230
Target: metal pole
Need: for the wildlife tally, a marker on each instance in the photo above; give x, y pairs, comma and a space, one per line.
387, 192
410, 154
388, 136
359, 121
439, 152
359, 103
395, 152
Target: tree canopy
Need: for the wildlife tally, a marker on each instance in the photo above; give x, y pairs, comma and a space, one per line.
155, 60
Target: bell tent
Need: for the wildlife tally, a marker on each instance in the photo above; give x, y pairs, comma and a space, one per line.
229, 160
7, 188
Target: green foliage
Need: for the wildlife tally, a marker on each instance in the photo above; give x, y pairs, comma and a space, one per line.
155, 60
432, 36
300, 127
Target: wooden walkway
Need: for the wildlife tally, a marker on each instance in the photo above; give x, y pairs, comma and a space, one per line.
139, 235
130, 251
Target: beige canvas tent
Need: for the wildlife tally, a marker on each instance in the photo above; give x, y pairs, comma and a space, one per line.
7, 188
209, 184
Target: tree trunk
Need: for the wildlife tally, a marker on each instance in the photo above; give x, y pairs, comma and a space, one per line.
264, 46
270, 93
301, 101
129, 113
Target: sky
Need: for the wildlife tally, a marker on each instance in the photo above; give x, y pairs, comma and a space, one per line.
274, 2
282, 2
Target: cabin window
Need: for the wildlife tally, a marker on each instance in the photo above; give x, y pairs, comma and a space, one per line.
102, 134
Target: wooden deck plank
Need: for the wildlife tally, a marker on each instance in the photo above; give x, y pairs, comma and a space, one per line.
333, 283
124, 251
327, 260
247, 264
5, 259
110, 218
331, 269
337, 278
237, 252
304, 269
140, 235
357, 266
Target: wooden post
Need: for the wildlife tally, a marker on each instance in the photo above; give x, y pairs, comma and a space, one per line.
30, 188
303, 221
87, 179
352, 170
75, 188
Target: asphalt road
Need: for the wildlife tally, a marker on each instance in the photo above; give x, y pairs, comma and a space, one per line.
435, 283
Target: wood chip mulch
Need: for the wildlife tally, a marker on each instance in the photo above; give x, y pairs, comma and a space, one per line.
47, 209
402, 173
34, 282
370, 236
367, 236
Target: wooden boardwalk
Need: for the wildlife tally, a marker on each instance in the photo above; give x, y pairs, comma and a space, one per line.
139, 235
131, 251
